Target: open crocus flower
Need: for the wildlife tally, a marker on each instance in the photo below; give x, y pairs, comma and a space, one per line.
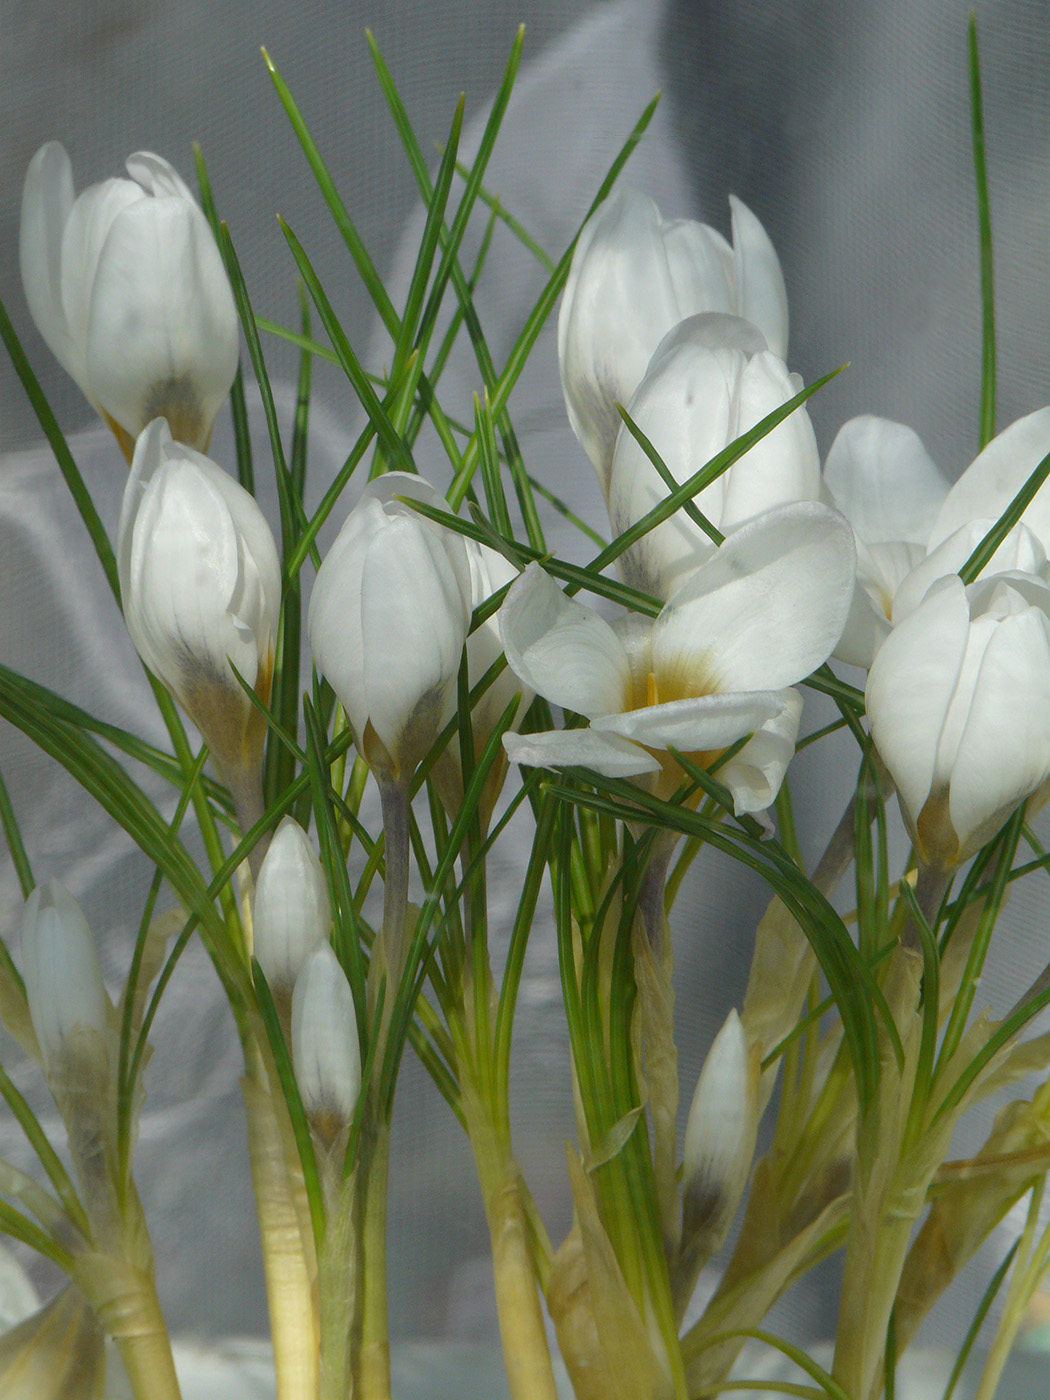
710, 380
634, 276
716, 665
200, 583
912, 529
959, 704
388, 618
128, 289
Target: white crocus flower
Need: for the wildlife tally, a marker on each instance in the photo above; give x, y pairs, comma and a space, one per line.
388, 619
127, 287
912, 529
634, 276
326, 1051
717, 664
291, 913
709, 381
200, 583
959, 704
67, 1001
884, 481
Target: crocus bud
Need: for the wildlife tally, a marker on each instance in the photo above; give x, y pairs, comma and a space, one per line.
67, 1000
292, 913
128, 289
719, 1139
325, 1049
200, 583
388, 619
634, 276
958, 700
710, 379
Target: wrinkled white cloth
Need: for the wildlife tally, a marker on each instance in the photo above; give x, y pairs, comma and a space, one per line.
843, 125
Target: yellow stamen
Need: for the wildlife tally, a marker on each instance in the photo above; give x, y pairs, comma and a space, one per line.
651, 692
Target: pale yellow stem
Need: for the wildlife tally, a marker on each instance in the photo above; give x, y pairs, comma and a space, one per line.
286, 1264
526, 1353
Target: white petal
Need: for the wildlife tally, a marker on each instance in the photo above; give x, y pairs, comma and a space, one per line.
199, 573
764, 611
291, 911
414, 620
695, 725
581, 748
785, 465
881, 568
62, 973
910, 689
700, 263
334, 617
618, 302
87, 228
884, 481
754, 775
156, 176
47, 199
719, 1116
1004, 752
1020, 550
991, 482
162, 337
562, 650
325, 1049
761, 294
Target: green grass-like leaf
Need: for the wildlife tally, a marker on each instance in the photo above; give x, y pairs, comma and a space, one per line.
982, 555
986, 429
296, 1113
849, 978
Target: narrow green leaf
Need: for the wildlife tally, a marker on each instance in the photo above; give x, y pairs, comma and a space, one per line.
66, 465
292, 519
347, 942
713, 469
856, 993
296, 1113
983, 1308
20, 1227
828, 1385
689, 508
15, 845
984, 224
518, 229
343, 222
982, 555
242, 438
389, 440
46, 1154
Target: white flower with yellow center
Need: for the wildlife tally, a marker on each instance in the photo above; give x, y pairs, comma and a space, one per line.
717, 664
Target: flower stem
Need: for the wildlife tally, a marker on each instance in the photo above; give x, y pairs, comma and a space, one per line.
288, 1277
388, 959
653, 971
124, 1299
526, 1354
374, 1351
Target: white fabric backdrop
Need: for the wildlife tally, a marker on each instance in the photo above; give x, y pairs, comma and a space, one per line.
843, 125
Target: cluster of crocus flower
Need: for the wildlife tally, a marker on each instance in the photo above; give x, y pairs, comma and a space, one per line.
958, 691
666, 319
